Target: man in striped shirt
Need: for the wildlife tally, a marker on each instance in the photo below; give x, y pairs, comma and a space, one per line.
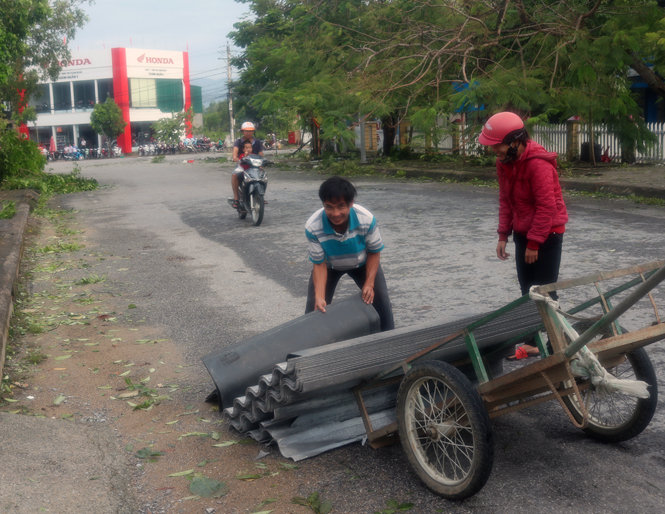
344, 239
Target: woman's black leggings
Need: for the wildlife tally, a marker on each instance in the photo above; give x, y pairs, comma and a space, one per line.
545, 270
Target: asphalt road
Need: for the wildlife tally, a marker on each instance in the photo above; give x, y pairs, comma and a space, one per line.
209, 279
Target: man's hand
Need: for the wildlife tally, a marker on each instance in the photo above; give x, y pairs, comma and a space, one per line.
501, 251
320, 305
530, 256
368, 293
320, 277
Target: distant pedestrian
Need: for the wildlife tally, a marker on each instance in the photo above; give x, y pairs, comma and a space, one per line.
531, 206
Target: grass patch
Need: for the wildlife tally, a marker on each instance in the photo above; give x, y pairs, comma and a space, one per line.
483, 183
35, 357
35, 329
8, 210
91, 279
60, 247
645, 200
158, 158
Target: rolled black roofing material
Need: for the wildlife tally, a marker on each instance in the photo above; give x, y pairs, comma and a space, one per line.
321, 372
237, 367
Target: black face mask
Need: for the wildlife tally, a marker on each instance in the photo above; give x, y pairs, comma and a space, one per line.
511, 154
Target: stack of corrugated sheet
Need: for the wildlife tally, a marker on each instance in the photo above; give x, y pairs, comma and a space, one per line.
306, 404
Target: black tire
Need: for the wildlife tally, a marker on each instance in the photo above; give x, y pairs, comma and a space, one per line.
618, 417
455, 464
241, 214
257, 206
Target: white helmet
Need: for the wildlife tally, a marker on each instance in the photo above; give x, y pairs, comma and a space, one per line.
248, 125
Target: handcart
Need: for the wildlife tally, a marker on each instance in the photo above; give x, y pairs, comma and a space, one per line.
443, 418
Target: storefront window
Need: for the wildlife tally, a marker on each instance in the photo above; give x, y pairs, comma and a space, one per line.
143, 94
62, 97
84, 95
169, 95
163, 94
104, 90
41, 100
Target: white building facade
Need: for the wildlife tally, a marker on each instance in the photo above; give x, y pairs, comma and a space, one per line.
146, 84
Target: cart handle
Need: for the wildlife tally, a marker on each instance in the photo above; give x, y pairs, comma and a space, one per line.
630, 300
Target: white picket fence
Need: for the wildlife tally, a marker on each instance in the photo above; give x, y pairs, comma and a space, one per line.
553, 137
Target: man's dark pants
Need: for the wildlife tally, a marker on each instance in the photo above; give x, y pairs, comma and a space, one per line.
381, 299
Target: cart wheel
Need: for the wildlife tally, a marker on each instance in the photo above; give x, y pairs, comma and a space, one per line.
618, 417
445, 430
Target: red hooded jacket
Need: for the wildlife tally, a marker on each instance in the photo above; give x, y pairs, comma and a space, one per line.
530, 199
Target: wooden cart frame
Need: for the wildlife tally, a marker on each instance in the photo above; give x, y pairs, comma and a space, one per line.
548, 378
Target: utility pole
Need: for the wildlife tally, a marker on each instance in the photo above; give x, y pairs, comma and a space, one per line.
363, 150
228, 71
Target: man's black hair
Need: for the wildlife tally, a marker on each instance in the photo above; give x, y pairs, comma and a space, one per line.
337, 188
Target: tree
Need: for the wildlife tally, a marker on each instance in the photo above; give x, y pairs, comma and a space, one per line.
106, 119
547, 59
33, 35
216, 119
18, 155
170, 130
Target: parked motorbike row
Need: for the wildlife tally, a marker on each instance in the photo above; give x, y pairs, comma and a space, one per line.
189, 145
77, 154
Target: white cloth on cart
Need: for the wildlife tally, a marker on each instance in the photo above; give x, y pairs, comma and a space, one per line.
586, 364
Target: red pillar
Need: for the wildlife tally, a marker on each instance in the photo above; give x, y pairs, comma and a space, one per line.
188, 95
23, 128
121, 95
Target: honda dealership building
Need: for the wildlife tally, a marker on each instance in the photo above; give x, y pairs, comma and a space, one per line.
146, 84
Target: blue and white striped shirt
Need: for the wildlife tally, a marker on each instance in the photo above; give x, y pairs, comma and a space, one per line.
343, 251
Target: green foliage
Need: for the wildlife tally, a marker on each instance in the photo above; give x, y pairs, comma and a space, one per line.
49, 184
106, 119
158, 158
32, 43
394, 507
170, 130
216, 118
8, 210
91, 279
424, 59
18, 155
60, 247
35, 357
315, 503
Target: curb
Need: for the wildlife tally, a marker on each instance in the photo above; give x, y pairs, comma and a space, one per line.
567, 184
11, 250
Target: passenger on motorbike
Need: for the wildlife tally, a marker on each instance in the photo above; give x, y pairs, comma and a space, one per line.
236, 178
247, 130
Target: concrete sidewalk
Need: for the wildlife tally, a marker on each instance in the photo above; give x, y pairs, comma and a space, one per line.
52, 465
66, 466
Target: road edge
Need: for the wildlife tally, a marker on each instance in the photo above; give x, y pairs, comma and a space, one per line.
12, 243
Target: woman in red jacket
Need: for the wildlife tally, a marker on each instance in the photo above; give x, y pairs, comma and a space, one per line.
531, 205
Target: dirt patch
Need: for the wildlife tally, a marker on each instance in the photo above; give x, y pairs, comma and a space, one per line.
80, 354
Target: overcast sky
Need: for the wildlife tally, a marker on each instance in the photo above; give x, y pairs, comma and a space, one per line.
201, 25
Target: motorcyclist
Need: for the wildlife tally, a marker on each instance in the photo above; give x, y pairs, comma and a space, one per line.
247, 130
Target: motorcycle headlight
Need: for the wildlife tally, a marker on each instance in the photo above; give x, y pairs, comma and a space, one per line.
256, 162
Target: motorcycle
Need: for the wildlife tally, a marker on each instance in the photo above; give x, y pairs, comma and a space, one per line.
252, 188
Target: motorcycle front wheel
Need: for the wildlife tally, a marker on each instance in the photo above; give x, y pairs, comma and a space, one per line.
256, 206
